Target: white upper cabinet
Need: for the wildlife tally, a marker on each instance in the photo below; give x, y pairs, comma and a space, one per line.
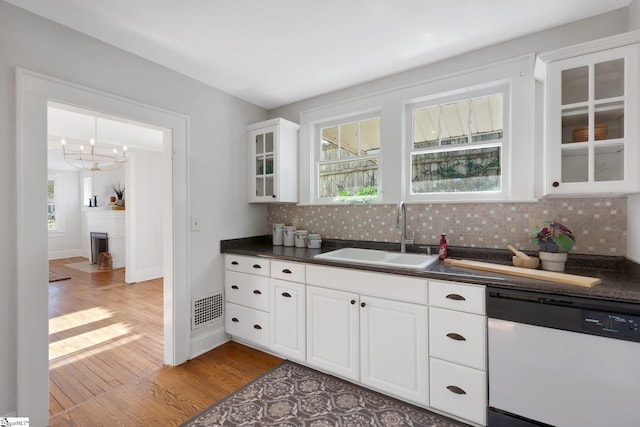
591, 135
273, 161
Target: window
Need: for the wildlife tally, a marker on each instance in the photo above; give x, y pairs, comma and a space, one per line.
457, 146
51, 205
55, 203
347, 165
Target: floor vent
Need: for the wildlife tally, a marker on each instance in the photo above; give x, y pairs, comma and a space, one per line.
206, 310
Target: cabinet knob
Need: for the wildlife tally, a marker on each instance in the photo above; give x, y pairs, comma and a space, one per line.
257, 266
235, 320
362, 304
234, 287
456, 389
353, 301
273, 195
257, 292
286, 271
257, 327
234, 262
555, 184
456, 297
456, 337
286, 294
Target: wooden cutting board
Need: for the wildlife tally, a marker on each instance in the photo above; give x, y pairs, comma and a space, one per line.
551, 276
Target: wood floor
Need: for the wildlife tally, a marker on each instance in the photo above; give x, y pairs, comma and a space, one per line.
106, 353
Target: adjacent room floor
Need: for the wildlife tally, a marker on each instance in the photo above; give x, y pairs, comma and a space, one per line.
106, 356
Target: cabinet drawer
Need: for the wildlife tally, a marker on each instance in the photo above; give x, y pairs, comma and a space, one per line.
458, 337
247, 264
457, 296
247, 289
247, 323
286, 270
459, 390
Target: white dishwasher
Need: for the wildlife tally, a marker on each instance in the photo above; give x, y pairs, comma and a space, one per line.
562, 361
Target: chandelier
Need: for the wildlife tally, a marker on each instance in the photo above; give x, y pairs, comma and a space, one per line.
92, 158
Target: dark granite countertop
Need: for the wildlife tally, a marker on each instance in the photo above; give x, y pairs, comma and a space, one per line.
620, 277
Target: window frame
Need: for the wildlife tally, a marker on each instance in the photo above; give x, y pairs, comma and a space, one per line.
58, 197
470, 92
317, 162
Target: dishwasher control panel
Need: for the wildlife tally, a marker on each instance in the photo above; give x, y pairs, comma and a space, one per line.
611, 325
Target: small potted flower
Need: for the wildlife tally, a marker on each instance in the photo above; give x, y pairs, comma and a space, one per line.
119, 193
554, 241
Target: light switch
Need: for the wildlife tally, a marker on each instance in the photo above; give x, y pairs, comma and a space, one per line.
195, 223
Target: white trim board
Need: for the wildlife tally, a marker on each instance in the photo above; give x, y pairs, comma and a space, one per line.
33, 92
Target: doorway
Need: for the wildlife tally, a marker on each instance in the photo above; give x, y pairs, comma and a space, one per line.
34, 91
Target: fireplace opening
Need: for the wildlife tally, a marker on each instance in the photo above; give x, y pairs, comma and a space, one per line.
99, 244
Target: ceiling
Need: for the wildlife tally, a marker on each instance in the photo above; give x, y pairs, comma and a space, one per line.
78, 126
275, 52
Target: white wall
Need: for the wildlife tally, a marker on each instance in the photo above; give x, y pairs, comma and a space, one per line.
67, 242
589, 29
217, 147
145, 233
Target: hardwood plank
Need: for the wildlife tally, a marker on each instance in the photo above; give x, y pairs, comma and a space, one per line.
121, 380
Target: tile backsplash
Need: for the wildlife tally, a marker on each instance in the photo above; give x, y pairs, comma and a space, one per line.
599, 224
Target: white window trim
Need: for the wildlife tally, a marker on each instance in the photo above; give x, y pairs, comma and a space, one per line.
525, 156
477, 91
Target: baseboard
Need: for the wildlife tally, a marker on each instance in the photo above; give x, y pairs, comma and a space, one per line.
69, 253
208, 341
146, 274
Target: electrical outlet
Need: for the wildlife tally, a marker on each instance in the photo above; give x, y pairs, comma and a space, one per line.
537, 224
195, 223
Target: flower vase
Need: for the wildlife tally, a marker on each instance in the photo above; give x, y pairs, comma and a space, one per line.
553, 261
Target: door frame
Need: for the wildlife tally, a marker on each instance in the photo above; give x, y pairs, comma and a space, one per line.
33, 91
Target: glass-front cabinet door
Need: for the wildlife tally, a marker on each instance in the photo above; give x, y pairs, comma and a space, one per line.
592, 123
264, 163
273, 157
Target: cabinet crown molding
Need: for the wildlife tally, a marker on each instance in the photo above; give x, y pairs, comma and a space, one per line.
618, 40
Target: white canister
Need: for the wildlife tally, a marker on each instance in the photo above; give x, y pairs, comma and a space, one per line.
301, 238
314, 241
289, 235
277, 234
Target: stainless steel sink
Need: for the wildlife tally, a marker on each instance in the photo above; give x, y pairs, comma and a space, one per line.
381, 258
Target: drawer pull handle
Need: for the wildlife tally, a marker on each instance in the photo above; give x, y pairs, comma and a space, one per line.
234, 263
456, 297
257, 327
456, 389
257, 292
257, 266
234, 287
456, 337
353, 302
234, 319
286, 294
286, 271
362, 304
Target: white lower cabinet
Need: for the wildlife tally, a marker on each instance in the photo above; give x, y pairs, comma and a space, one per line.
247, 299
248, 324
333, 330
458, 350
378, 342
459, 390
288, 319
393, 348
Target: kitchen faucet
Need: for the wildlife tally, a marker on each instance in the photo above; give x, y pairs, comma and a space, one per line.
401, 222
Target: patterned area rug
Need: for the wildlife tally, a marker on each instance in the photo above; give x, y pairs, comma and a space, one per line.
292, 395
55, 277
